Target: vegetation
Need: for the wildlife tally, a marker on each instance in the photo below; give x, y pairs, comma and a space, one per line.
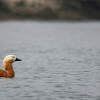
85, 9
4, 11
69, 9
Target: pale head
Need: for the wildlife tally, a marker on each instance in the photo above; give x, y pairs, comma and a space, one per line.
10, 59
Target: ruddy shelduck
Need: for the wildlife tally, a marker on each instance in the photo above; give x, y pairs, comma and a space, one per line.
7, 63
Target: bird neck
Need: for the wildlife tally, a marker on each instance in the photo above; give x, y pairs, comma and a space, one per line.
9, 68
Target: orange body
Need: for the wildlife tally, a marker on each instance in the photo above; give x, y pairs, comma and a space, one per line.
8, 72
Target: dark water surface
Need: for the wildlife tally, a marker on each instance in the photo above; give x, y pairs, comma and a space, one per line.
60, 60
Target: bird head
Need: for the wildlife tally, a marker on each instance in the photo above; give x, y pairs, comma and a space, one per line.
10, 59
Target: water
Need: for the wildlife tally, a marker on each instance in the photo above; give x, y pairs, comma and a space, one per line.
60, 60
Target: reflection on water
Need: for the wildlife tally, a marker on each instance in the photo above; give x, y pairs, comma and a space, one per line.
60, 60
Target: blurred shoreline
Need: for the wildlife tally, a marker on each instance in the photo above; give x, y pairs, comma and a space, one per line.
49, 10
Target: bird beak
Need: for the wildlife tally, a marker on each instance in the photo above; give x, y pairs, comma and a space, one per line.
18, 59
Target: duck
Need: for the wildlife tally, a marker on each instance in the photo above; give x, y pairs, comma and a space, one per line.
8, 71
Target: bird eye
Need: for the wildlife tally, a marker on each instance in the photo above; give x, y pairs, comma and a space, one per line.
12, 56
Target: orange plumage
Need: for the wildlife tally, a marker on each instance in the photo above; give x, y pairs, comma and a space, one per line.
7, 63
